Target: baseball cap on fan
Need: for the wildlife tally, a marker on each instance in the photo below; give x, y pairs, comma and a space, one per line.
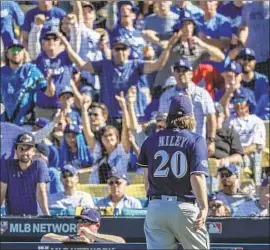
25, 139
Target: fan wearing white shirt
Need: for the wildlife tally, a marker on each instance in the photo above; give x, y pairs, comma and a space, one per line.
70, 197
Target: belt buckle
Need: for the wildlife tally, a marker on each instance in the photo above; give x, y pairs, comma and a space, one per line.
168, 198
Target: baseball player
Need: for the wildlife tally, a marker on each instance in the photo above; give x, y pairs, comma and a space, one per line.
175, 162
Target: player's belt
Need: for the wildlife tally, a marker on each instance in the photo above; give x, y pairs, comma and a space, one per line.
166, 197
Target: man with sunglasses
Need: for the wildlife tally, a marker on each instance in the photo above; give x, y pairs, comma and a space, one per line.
203, 105
24, 180
88, 224
250, 78
20, 83
217, 208
117, 198
70, 197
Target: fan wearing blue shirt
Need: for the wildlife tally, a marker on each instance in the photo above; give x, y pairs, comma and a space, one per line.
10, 12
23, 181
20, 82
120, 73
125, 28
53, 15
215, 28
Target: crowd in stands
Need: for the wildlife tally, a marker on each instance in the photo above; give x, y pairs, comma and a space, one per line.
88, 81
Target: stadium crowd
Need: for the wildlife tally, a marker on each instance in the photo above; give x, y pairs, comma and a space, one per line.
84, 83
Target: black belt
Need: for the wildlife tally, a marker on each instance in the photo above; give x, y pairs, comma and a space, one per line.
185, 199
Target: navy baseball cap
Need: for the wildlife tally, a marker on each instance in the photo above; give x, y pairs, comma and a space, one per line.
233, 66
73, 128
120, 40
184, 16
25, 139
247, 52
231, 168
119, 175
14, 43
69, 168
43, 149
42, 122
90, 214
182, 63
131, 3
66, 89
181, 105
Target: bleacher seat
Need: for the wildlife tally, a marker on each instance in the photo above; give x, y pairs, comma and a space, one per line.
101, 190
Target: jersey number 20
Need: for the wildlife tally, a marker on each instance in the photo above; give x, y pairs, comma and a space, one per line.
178, 164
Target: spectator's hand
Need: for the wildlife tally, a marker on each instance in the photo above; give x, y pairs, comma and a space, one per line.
49, 76
150, 35
62, 39
132, 95
233, 86
121, 100
87, 233
131, 138
174, 39
58, 116
211, 149
86, 103
71, 19
40, 19
200, 221
197, 40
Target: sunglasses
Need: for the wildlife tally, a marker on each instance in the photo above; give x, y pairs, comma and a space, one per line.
226, 175
120, 49
51, 38
15, 50
238, 100
216, 206
247, 58
93, 114
180, 69
85, 221
118, 183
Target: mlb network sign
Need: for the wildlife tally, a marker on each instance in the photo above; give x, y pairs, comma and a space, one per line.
24, 228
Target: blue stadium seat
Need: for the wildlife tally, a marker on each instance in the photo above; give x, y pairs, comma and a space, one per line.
134, 212
58, 211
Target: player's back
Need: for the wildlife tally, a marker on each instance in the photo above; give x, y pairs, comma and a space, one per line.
171, 158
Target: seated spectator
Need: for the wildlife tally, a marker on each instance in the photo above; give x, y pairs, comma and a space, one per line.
20, 82
43, 151
228, 148
88, 223
22, 199
111, 154
52, 18
66, 99
203, 105
70, 197
251, 131
230, 194
217, 208
251, 79
117, 198
74, 150
188, 47
256, 207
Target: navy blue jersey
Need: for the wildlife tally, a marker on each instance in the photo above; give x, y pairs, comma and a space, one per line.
172, 156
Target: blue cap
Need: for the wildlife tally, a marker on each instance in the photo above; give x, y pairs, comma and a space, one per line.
73, 128
183, 64
14, 43
119, 175
25, 139
87, 90
120, 40
184, 16
66, 89
42, 122
43, 149
69, 168
90, 214
231, 168
247, 52
234, 67
131, 3
181, 105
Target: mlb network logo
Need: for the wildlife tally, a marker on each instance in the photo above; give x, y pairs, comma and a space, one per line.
214, 227
4, 226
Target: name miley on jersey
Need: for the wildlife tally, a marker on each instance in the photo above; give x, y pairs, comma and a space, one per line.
172, 141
